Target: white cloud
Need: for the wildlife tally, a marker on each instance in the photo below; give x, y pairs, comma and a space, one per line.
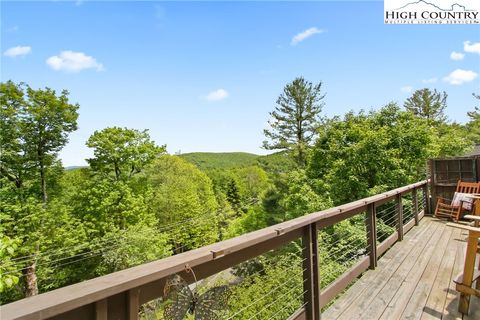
71, 61
217, 95
471, 47
304, 35
17, 51
430, 80
457, 55
460, 76
406, 89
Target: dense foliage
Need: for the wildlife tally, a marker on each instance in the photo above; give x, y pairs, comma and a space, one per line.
220, 160
135, 203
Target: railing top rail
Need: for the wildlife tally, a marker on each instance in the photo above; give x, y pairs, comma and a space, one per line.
67, 298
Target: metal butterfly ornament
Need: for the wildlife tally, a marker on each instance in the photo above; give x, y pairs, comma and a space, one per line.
180, 300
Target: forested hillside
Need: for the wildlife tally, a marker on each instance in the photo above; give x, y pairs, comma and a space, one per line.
135, 203
220, 160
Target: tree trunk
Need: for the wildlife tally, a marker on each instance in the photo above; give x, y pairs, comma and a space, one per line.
31, 288
43, 181
117, 171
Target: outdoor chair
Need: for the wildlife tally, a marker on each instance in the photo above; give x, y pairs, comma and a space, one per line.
468, 281
461, 202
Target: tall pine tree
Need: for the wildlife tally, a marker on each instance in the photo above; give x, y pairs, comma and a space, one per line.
295, 119
428, 105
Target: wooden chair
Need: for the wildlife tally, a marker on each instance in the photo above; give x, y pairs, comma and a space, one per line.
471, 274
453, 209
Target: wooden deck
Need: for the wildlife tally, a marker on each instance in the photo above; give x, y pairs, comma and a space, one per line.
413, 279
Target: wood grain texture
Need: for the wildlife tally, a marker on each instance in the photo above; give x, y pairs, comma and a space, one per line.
413, 280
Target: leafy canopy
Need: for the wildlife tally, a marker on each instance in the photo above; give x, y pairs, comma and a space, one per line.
121, 151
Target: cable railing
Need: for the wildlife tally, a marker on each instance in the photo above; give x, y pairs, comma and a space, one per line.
314, 258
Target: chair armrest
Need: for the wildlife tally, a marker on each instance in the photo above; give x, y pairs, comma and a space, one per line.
463, 227
443, 200
446, 205
469, 216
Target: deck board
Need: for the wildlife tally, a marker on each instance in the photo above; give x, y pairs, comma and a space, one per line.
371, 278
413, 279
436, 300
421, 282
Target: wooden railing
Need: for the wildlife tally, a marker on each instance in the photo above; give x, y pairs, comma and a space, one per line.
119, 295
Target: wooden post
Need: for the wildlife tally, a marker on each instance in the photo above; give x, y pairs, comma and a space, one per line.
316, 272
133, 304
433, 189
426, 209
101, 310
372, 234
399, 209
468, 268
311, 284
476, 223
415, 205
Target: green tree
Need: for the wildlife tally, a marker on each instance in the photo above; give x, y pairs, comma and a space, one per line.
428, 105
138, 244
9, 276
362, 152
450, 140
39, 229
233, 196
121, 151
47, 121
34, 127
117, 229
295, 119
300, 198
108, 207
15, 162
182, 198
253, 182
473, 126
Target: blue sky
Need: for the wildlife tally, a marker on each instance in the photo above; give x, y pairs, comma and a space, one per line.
203, 76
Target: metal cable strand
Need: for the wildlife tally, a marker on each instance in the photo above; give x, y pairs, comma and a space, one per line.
104, 245
89, 255
275, 301
263, 297
270, 265
106, 241
287, 305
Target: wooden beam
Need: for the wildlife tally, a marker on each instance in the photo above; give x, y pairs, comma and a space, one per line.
300, 314
133, 303
101, 310
468, 268
415, 205
343, 281
386, 244
426, 209
371, 224
308, 296
409, 225
474, 230
399, 211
